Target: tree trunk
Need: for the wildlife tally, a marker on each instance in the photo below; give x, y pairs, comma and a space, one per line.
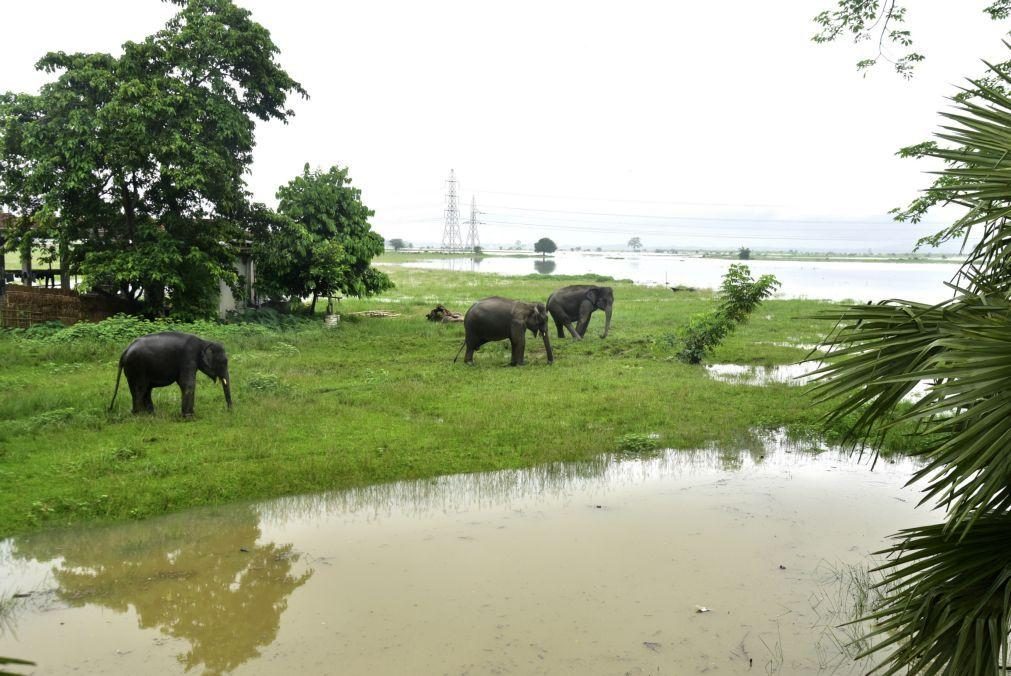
64, 266
312, 308
26, 265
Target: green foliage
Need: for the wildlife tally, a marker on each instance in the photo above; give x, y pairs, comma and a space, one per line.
739, 296
397, 243
880, 23
946, 607
10, 661
122, 329
545, 246
265, 382
269, 318
134, 164
638, 442
320, 242
744, 254
635, 243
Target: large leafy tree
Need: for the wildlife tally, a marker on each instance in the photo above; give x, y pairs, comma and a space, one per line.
134, 164
320, 242
947, 602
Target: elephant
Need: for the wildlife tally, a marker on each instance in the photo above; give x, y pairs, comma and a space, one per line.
498, 318
577, 303
160, 359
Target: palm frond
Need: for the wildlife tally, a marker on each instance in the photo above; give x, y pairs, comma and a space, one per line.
946, 602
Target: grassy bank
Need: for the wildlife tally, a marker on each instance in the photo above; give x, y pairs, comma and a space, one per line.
376, 399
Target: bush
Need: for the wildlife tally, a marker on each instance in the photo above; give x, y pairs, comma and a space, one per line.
121, 329
739, 296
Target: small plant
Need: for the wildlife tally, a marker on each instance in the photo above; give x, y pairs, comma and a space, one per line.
265, 382
739, 296
126, 454
638, 442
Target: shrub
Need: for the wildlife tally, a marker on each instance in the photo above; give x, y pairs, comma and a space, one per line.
739, 296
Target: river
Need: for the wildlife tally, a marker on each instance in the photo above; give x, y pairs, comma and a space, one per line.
823, 280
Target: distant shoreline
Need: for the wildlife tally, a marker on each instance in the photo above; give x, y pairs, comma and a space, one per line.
814, 257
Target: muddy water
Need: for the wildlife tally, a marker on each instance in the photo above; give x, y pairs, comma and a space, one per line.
594, 568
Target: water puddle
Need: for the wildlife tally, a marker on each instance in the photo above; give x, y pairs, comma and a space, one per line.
744, 374
588, 568
787, 374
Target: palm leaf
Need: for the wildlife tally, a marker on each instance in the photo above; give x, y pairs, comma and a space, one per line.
946, 607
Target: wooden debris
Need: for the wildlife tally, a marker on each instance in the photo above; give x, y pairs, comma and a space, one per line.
375, 313
444, 315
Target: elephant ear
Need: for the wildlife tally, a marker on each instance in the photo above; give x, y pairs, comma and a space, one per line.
591, 296
206, 360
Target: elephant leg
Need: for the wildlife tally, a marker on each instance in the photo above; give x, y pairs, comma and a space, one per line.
518, 340
584, 324
468, 357
148, 403
138, 392
560, 326
577, 334
188, 387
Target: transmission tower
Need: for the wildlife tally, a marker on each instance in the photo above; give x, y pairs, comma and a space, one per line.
451, 238
473, 240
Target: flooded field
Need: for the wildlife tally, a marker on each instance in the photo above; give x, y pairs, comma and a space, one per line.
829, 280
588, 568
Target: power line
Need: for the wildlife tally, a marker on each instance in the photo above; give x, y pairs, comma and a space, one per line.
628, 201
717, 219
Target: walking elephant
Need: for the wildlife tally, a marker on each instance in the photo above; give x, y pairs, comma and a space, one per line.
161, 359
576, 303
496, 318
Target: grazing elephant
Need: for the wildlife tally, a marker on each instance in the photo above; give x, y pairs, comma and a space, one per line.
577, 303
161, 359
498, 318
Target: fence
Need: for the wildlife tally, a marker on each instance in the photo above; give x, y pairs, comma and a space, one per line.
24, 306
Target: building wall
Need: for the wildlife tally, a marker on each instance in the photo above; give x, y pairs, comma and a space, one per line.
227, 302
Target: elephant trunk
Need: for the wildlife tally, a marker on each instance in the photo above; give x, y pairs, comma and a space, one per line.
607, 321
227, 387
547, 346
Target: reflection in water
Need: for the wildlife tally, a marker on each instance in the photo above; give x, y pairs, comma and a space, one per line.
544, 267
458, 493
583, 567
197, 577
743, 374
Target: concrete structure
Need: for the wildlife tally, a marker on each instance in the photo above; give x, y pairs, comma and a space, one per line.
227, 302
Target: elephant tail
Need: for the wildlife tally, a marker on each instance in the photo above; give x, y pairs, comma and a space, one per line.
460, 350
116, 391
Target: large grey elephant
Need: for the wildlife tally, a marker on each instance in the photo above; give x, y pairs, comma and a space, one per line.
576, 303
497, 318
161, 359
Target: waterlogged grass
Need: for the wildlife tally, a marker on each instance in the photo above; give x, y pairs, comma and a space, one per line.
376, 399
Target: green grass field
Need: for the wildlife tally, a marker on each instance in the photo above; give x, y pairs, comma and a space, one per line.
374, 400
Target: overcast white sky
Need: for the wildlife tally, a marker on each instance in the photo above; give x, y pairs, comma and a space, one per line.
690, 124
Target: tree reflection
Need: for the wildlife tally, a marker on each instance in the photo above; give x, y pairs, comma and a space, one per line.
544, 267
200, 577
